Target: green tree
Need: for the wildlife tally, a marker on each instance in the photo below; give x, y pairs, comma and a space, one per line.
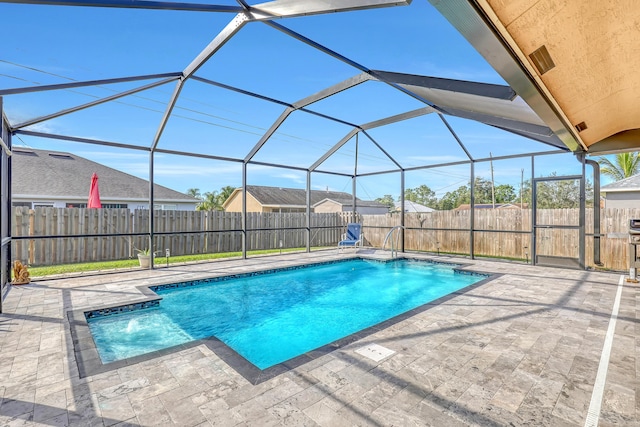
225, 192
210, 202
622, 166
410, 194
387, 200
525, 193
558, 194
481, 191
562, 194
423, 195
505, 193
453, 199
195, 192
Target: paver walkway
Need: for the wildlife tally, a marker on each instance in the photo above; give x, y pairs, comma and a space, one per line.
522, 349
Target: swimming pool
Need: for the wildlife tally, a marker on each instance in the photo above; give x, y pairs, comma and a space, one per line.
269, 318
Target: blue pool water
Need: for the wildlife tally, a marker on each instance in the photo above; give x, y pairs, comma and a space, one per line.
270, 318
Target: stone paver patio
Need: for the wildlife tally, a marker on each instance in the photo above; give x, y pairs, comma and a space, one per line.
521, 349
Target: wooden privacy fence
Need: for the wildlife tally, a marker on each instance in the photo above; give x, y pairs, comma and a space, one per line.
193, 232
189, 232
61, 222
514, 242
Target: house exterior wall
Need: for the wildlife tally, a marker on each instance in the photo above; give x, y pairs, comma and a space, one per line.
331, 206
328, 206
367, 210
623, 199
284, 209
167, 206
370, 210
132, 205
235, 203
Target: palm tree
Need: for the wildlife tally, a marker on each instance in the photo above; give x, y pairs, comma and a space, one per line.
623, 165
225, 192
194, 192
210, 202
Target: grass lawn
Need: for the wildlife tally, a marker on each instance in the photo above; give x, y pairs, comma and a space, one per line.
131, 263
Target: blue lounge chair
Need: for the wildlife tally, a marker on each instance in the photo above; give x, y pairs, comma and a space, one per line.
352, 238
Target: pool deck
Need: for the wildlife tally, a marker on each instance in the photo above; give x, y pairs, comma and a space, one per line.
533, 346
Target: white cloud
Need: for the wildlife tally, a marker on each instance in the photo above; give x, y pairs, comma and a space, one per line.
297, 178
44, 127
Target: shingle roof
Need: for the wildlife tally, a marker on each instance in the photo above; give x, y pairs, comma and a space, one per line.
628, 184
59, 174
279, 196
359, 203
410, 206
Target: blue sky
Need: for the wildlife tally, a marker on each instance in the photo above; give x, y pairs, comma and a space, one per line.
60, 44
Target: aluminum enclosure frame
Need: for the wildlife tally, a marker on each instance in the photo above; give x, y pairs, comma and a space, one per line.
266, 13
5, 205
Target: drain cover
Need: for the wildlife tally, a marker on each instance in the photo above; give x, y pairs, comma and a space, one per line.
375, 352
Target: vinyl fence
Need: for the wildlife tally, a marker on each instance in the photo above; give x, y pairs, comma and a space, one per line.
499, 233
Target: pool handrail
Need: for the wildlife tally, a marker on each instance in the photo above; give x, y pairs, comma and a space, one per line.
394, 250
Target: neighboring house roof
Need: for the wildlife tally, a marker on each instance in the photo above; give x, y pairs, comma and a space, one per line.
295, 197
349, 201
59, 175
628, 184
410, 206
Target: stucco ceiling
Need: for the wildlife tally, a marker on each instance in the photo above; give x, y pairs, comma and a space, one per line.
592, 88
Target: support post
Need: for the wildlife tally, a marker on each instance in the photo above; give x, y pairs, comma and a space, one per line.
583, 208
534, 219
402, 208
308, 207
151, 210
596, 211
244, 210
354, 181
353, 199
472, 173
5, 205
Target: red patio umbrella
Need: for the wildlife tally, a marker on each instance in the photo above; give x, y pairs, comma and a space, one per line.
94, 193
